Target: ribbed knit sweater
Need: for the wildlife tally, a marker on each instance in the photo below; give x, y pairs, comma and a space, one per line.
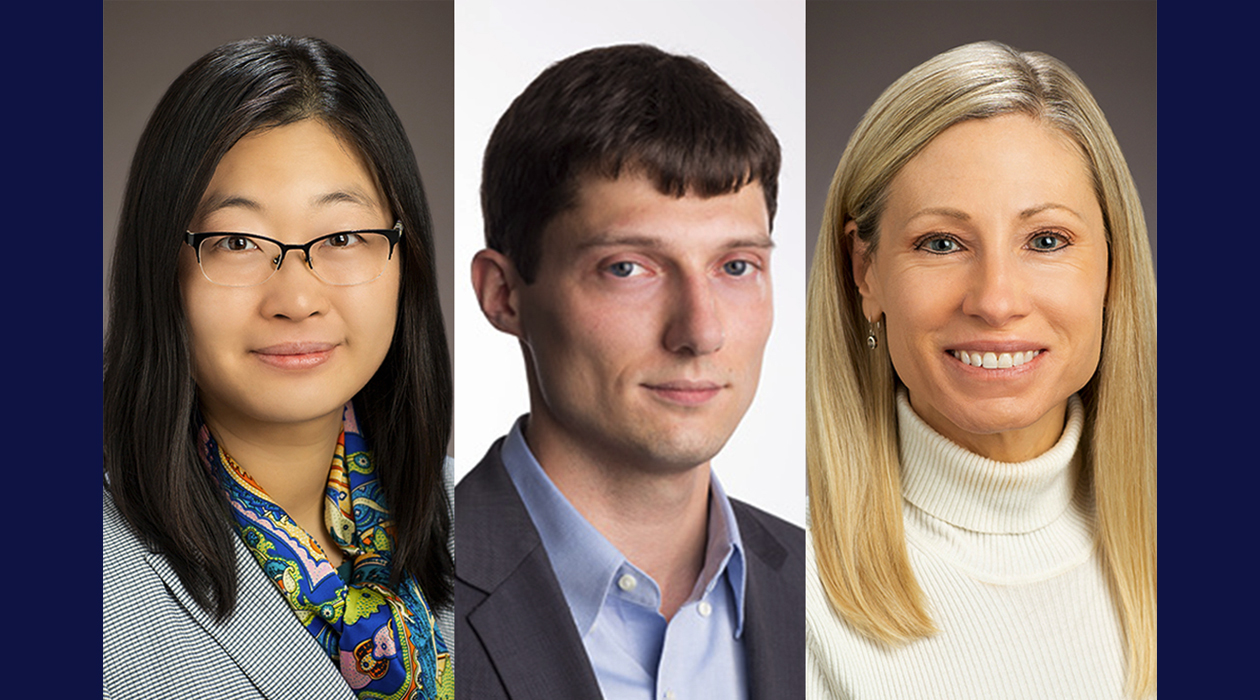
1005, 554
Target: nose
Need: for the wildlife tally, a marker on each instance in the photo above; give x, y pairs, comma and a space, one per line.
997, 290
695, 321
294, 292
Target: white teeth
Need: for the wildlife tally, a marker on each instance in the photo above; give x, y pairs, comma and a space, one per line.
993, 360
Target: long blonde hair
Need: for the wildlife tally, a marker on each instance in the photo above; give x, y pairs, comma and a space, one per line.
852, 453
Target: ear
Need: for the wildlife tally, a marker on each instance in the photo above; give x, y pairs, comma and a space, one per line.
497, 286
864, 274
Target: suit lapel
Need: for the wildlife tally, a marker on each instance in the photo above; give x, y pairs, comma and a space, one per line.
262, 624
527, 629
523, 623
774, 613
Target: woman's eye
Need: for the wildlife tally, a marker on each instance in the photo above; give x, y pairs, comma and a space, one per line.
342, 240
1047, 242
736, 268
940, 245
235, 244
623, 268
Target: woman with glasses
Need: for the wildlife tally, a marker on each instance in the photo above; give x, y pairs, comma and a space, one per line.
277, 394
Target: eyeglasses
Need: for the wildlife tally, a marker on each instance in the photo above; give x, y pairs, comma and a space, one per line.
343, 259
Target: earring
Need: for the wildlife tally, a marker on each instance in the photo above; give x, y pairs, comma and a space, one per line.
872, 340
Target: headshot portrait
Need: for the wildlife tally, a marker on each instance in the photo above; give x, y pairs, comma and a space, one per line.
277, 500
981, 353
631, 261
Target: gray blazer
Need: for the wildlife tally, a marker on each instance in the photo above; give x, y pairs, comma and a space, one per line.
517, 637
160, 644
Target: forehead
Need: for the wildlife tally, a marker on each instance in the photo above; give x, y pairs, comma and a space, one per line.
1006, 161
629, 210
306, 160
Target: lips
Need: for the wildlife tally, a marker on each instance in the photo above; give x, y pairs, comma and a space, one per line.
296, 355
685, 392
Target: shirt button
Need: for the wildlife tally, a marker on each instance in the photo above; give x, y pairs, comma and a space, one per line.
627, 583
669, 695
704, 608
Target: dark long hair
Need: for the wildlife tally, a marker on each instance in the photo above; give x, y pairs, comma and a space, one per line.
151, 466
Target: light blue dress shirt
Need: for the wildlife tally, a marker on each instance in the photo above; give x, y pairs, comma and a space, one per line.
636, 654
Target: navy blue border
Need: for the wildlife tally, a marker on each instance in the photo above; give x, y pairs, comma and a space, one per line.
1207, 387
1208, 195
50, 253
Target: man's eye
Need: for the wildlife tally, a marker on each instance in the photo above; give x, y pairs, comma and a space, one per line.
623, 268
736, 268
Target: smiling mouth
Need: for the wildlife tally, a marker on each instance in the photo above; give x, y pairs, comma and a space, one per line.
994, 360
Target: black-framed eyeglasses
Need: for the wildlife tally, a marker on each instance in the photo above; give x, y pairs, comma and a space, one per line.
344, 258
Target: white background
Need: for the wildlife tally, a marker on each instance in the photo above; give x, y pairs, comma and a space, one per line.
757, 47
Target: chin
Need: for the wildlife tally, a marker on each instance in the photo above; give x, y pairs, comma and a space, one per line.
680, 451
297, 410
997, 416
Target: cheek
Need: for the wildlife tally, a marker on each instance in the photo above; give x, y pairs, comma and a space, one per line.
581, 339
749, 317
544, 325
206, 317
375, 314
914, 311
1074, 298
1080, 316
586, 333
218, 323
193, 295
379, 325
210, 335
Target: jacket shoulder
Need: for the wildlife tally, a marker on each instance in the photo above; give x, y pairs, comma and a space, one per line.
147, 613
122, 549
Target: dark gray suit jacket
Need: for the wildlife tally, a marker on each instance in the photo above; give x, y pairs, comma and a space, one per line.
516, 635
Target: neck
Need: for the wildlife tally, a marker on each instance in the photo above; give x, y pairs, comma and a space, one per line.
658, 519
290, 462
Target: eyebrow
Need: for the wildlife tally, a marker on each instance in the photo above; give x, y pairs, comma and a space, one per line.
941, 211
217, 202
1032, 211
964, 216
612, 240
351, 196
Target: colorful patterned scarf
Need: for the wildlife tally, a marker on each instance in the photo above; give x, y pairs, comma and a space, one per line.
385, 642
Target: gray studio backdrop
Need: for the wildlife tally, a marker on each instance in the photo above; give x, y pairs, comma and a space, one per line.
407, 47
855, 50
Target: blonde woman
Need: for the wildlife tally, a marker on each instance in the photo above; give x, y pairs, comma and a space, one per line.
981, 424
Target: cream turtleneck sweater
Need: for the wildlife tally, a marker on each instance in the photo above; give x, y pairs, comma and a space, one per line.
1005, 554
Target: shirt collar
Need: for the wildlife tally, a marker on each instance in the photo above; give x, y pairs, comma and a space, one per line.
586, 563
